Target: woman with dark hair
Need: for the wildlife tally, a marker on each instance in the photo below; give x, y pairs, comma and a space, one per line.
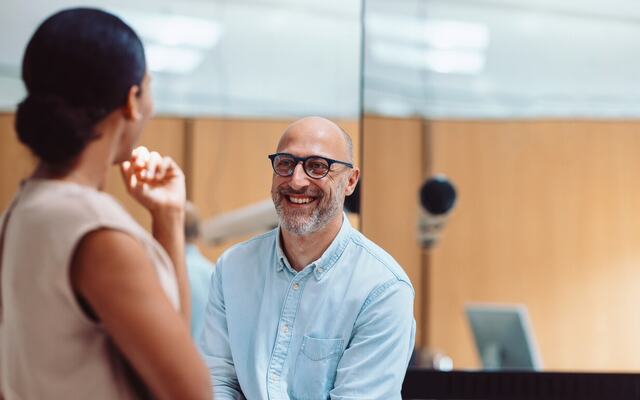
92, 306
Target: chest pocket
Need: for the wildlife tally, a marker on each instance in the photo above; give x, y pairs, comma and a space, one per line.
315, 369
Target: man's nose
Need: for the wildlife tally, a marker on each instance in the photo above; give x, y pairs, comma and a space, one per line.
299, 179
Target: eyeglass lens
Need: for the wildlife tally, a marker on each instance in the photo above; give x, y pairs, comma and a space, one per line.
315, 167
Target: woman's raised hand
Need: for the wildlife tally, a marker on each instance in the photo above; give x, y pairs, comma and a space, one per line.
155, 181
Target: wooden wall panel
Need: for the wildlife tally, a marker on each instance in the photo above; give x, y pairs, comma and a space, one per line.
392, 174
16, 161
548, 216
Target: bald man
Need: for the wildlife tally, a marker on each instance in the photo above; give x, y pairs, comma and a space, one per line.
312, 309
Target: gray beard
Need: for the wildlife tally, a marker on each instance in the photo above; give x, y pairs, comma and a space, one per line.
301, 224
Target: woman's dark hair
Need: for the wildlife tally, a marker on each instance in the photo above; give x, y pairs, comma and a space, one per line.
78, 67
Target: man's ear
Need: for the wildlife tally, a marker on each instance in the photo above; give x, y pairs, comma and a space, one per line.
131, 108
353, 181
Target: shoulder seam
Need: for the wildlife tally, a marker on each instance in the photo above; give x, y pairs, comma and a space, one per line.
381, 261
377, 291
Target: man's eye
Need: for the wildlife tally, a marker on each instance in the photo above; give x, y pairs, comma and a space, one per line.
318, 166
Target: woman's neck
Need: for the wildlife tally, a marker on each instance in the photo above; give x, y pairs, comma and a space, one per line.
89, 168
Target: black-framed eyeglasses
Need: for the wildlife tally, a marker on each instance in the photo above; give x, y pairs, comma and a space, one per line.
315, 167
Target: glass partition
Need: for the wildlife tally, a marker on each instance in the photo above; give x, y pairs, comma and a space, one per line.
271, 59
502, 59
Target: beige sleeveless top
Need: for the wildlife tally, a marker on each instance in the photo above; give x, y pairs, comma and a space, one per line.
49, 349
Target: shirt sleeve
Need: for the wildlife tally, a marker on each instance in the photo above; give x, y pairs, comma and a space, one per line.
375, 361
214, 343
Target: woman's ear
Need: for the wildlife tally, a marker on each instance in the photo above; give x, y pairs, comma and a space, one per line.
131, 109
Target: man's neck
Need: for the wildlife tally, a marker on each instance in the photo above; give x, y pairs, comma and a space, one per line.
301, 250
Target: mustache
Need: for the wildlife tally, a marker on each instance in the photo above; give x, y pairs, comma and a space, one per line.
303, 192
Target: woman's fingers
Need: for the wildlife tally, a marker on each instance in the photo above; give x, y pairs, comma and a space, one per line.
153, 165
148, 167
140, 156
128, 175
153, 180
164, 169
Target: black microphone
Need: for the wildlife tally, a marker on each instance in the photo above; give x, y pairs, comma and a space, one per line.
437, 200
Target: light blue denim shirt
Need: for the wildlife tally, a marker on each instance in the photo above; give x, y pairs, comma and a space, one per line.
342, 328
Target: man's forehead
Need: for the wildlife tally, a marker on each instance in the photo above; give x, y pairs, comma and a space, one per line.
307, 142
314, 138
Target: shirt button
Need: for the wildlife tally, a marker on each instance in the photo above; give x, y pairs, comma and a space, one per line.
274, 377
296, 286
285, 329
320, 270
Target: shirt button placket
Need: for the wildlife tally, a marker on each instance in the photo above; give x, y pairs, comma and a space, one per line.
283, 338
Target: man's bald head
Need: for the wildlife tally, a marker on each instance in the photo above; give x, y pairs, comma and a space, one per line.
318, 134
306, 204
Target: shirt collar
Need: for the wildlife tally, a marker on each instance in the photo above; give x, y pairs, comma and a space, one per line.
282, 261
328, 259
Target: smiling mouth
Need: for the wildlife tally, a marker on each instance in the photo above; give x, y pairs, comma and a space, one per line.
301, 200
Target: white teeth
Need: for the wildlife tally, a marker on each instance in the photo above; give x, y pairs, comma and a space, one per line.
300, 200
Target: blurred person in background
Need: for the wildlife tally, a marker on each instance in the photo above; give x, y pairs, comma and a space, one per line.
199, 269
93, 306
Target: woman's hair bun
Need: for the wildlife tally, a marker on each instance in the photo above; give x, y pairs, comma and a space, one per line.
54, 131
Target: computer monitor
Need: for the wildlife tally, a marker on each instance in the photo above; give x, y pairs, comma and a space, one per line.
503, 336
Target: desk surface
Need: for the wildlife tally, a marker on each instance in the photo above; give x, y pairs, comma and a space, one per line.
515, 385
